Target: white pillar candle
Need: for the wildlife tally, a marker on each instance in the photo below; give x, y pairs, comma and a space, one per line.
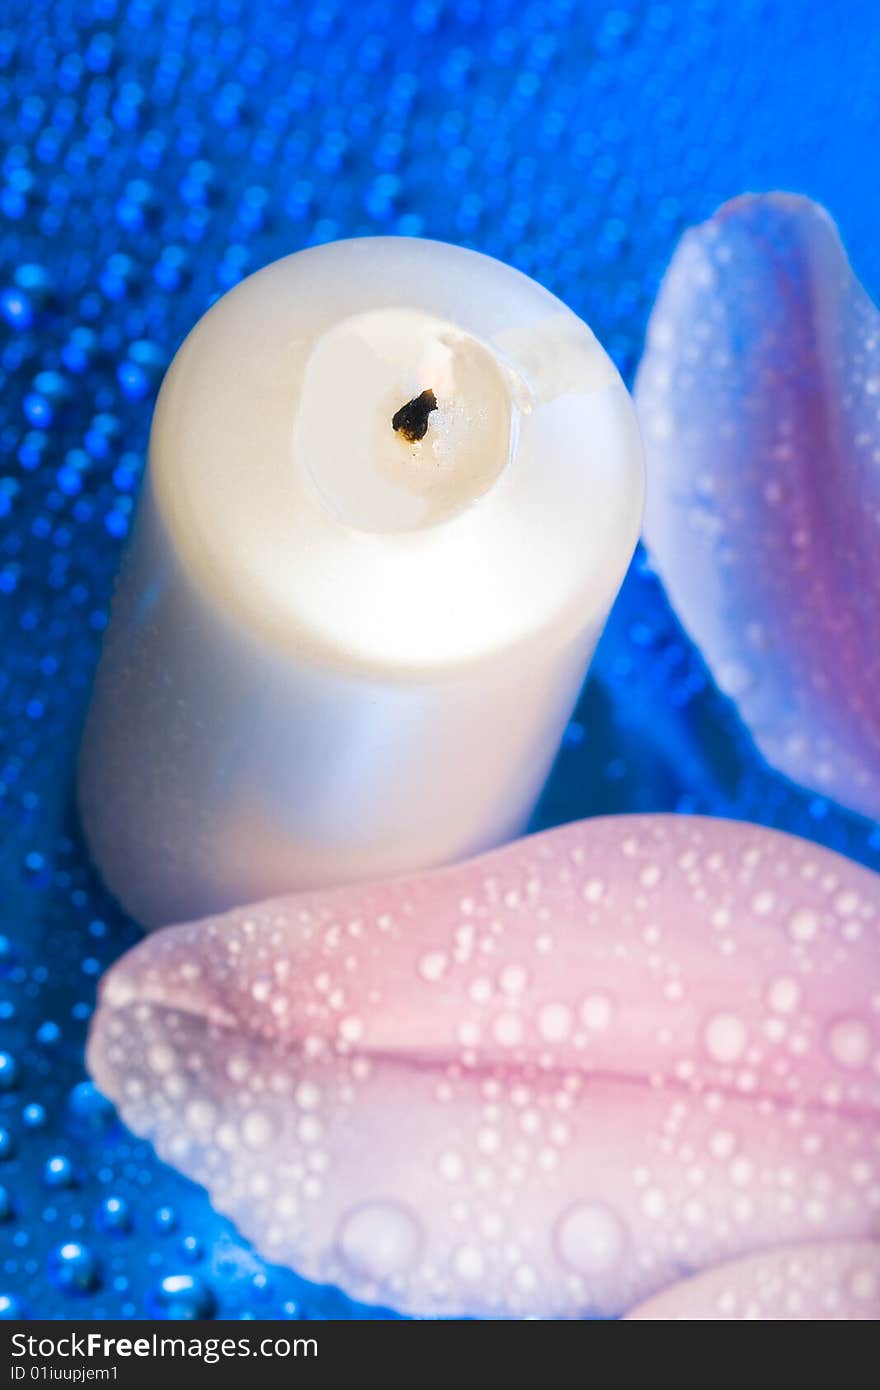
339, 648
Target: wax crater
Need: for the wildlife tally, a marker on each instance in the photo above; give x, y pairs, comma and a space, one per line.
448, 442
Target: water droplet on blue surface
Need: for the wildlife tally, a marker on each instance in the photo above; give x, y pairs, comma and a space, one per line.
181, 1296
58, 1171
114, 1215
89, 1110
8, 1071
165, 1220
73, 1267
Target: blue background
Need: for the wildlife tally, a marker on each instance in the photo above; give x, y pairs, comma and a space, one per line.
153, 154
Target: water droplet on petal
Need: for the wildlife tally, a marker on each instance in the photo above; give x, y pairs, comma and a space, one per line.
507, 1030
590, 1237
849, 1041
513, 979
596, 1012
432, 965
160, 1058
200, 1114
379, 1239
257, 1129
803, 924
351, 1030
554, 1022
784, 995
451, 1166
725, 1037
307, 1095
468, 1263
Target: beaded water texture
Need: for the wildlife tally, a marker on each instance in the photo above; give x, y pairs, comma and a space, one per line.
153, 153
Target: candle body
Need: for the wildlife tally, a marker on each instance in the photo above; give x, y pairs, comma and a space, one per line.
257, 772
286, 699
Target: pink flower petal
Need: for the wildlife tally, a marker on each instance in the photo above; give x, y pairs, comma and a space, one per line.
834, 1281
759, 398
550, 1081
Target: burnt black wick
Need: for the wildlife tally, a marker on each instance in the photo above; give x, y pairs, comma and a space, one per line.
411, 420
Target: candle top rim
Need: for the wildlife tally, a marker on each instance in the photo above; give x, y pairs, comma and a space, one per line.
547, 541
